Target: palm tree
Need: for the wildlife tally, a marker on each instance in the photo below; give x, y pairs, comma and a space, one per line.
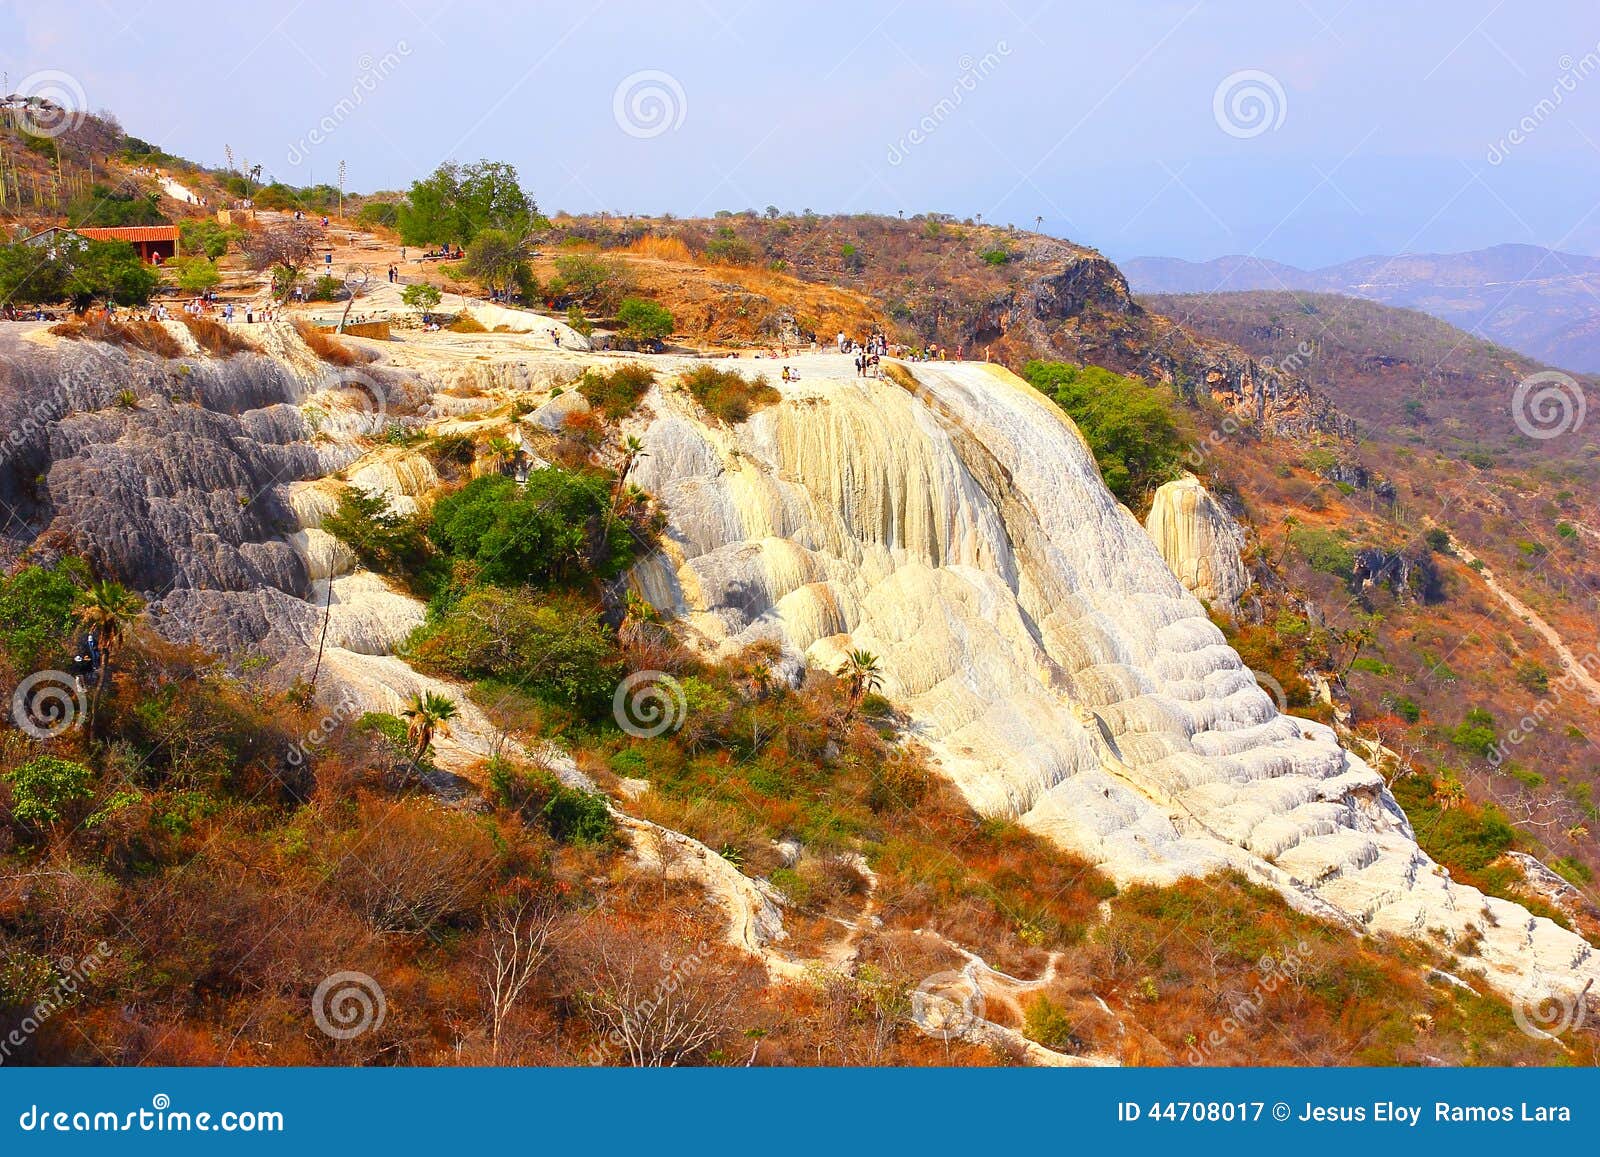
861, 674
632, 450
105, 610
427, 713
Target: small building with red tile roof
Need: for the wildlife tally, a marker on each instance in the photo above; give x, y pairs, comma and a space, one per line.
155, 243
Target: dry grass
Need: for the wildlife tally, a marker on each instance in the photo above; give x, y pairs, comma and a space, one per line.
329, 348
662, 249
149, 336
466, 323
215, 338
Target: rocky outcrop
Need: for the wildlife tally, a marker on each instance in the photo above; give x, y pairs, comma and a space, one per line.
1200, 541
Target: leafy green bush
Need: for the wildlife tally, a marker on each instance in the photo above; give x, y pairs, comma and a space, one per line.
999, 255
1127, 424
618, 393
1407, 708
556, 648
569, 814
43, 786
728, 394
36, 606
326, 288
1046, 1022
1475, 733
205, 236
557, 528
387, 542
1572, 870
1324, 551
1461, 836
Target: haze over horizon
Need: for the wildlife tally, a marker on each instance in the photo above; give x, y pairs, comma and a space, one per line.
1308, 133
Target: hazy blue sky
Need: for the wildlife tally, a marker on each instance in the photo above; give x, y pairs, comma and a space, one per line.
1388, 123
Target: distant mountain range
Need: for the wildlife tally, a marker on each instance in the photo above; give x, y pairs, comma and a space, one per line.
1539, 302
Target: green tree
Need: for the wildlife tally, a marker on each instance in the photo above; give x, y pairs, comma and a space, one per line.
558, 528
37, 607
496, 259
454, 203
30, 275
197, 274
205, 236
643, 320
862, 675
109, 271
1127, 424
554, 647
589, 281
106, 610
421, 297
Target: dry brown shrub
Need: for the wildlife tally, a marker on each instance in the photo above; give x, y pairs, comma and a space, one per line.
149, 336
215, 338
328, 348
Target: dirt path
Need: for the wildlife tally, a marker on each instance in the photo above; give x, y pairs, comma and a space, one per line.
1571, 665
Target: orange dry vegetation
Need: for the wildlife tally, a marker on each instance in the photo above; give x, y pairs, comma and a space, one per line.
732, 306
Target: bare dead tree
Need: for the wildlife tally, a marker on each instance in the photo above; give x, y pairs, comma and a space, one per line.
652, 999
516, 947
285, 249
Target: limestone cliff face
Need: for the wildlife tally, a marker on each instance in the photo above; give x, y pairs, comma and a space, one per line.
1200, 541
1042, 646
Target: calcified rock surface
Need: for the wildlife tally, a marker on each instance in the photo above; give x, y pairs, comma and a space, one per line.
1049, 658
1199, 540
957, 527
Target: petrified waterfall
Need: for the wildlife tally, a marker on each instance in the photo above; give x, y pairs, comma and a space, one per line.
958, 528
